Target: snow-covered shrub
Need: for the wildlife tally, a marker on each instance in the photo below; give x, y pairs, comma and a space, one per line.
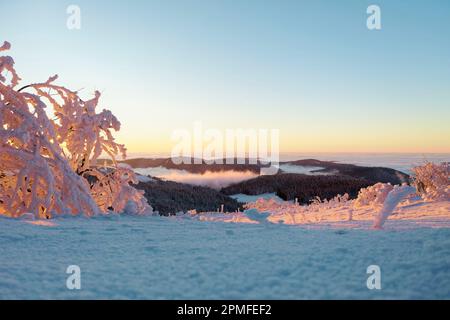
267, 205
50, 140
433, 180
373, 196
112, 189
192, 212
394, 197
384, 198
335, 202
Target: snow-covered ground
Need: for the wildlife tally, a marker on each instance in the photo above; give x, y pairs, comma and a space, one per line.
184, 258
340, 212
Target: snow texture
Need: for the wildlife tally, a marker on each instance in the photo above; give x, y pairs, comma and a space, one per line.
130, 257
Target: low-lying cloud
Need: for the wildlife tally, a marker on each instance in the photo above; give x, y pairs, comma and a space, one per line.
213, 179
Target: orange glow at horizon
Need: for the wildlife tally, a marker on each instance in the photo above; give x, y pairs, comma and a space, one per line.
325, 144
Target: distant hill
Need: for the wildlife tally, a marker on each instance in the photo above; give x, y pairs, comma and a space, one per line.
371, 174
193, 166
289, 186
170, 197
332, 179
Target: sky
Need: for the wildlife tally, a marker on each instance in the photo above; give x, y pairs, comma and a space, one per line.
311, 69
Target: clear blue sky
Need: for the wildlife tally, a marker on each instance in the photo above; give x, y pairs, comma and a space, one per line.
309, 68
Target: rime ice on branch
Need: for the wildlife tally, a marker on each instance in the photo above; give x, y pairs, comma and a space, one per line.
432, 180
50, 140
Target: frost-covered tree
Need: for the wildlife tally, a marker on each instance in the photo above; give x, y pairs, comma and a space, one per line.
432, 180
50, 140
